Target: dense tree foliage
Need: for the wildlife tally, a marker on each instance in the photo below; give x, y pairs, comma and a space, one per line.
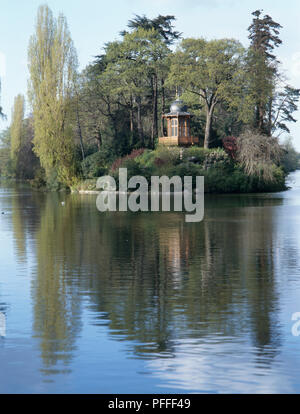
16, 128
82, 122
273, 100
210, 70
52, 66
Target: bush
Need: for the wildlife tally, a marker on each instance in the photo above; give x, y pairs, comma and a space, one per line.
290, 158
86, 185
146, 159
119, 162
230, 146
39, 181
216, 157
53, 183
221, 174
257, 154
235, 180
197, 154
167, 156
95, 165
186, 169
277, 183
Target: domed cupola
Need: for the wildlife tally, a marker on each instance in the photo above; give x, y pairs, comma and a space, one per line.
178, 107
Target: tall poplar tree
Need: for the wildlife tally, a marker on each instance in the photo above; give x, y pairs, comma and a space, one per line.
16, 128
52, 66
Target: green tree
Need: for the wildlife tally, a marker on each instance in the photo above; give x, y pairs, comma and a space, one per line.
6, 169
134, 67
284, 104
262, 67
211, 72
162, 24
16, 129
290, 158
164, 27
52, 66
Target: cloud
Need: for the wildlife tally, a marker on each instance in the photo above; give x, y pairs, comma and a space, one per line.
291, 69
200, 367
295, 65
2, 65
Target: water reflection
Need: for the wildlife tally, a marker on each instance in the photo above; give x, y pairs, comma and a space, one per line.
56, 300
173, 291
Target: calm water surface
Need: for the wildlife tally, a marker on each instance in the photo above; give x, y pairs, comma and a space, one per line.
146, 303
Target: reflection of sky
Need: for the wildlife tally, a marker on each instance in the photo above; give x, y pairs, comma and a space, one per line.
100, 362
2, 325
226, 367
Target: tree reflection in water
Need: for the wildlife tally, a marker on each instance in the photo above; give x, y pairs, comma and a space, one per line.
153, 279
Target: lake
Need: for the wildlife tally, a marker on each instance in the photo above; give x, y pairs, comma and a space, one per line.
145, 302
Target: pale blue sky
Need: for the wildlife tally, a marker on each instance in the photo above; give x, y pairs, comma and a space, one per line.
95, 22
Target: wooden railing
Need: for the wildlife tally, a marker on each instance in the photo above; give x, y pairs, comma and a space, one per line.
168, 140
178, 140
188, 140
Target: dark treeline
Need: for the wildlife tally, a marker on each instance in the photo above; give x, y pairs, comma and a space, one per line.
80, 123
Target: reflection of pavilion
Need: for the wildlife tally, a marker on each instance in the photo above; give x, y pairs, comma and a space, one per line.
174, 244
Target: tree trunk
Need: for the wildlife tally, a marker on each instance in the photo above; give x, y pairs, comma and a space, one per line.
139, 121
131, 121
80, 133
154, 131
99, 140
259, 117
131, 116
163, 107
270, 117
113, 120
207, 136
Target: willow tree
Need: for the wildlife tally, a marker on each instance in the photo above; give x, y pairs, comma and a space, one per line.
16, 128
52, 66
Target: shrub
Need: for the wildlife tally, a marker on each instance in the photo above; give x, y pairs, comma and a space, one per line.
196, 153
86, 185
94, 165
290, 157
39, 180
216, 157
119, 162
53, 183
230, 146
257, 154
167, 156
277, 183
146, 159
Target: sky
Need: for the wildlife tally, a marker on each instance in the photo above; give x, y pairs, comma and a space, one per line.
94, 22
